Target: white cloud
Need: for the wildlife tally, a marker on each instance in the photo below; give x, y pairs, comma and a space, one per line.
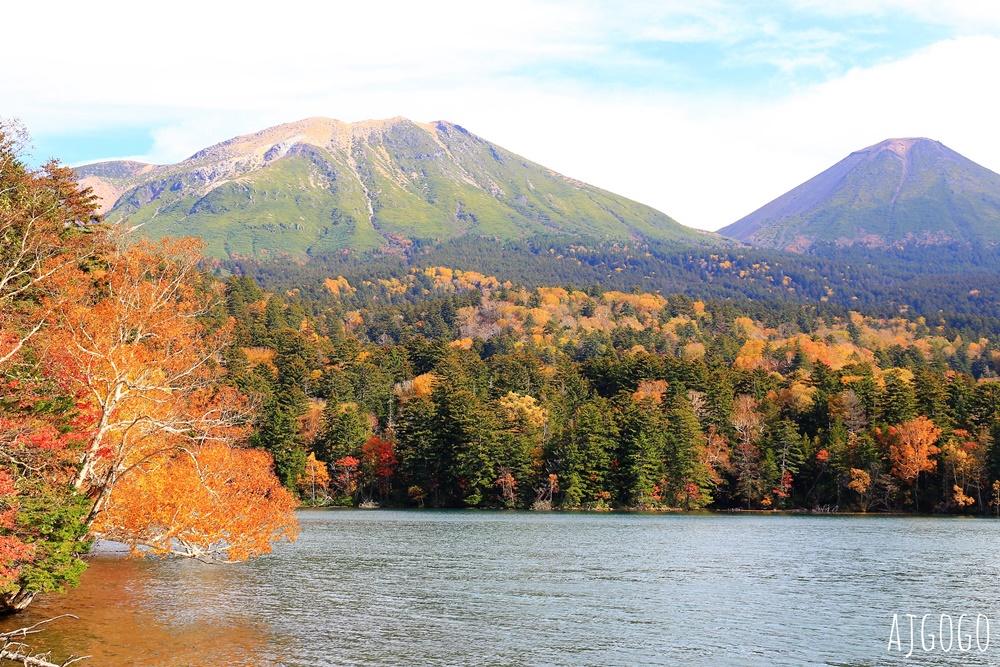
971, 16
708, 163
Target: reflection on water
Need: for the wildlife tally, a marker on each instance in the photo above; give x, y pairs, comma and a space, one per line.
478, 588
134, 612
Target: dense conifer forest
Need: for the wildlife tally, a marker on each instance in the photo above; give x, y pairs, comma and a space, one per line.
611, 376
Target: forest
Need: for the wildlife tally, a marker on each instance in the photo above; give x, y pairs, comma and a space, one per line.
450, 388
956, 285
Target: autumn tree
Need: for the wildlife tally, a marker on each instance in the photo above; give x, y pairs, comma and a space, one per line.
344, 476
507, 486
378, 465
314, 482
44, 225
155, 434
911, 449
748, 464
963, 459
215, 503
522, 430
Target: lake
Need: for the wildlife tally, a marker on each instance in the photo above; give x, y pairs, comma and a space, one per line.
415, 588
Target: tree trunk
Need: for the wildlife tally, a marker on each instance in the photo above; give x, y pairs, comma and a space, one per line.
17, 601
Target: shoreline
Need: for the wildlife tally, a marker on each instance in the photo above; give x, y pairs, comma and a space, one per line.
669, 510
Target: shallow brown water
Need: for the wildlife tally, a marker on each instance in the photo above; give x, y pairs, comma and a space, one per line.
120, 621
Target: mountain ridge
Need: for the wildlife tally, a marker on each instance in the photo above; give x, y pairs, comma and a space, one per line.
321, 185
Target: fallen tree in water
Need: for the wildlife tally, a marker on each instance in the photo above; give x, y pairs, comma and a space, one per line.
13, 650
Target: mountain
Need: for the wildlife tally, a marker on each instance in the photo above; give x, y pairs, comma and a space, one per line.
320, 185
898, 191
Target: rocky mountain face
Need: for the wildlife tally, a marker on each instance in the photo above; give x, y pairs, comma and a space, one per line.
321, 185
896, 192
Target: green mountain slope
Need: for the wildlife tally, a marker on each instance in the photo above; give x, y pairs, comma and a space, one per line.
320, 185
898, 191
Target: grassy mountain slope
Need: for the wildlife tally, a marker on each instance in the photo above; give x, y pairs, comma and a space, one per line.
319, 185
898, 191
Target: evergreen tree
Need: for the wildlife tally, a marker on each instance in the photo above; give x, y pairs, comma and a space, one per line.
279, 434
689, 483
344, 430
585, 466
897, 401
274, 314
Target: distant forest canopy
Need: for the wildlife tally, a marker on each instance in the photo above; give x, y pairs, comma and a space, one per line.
606, 376
953, 286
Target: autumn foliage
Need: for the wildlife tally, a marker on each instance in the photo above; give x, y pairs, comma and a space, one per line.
911, 448
216, 503
116, 420
131, 339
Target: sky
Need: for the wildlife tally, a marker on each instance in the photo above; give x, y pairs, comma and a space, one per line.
705, 110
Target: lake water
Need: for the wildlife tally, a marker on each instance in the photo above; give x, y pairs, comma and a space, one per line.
416, 588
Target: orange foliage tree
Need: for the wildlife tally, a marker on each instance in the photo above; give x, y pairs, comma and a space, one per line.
115, 418
911, 448
507, 484
132, 340
215, 503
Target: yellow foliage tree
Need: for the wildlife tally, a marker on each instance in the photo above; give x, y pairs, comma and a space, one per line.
315, 480
517, 408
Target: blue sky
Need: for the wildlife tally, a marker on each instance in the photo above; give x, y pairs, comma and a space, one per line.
705, 110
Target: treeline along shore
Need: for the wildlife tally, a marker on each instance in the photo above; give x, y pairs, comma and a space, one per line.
436, 387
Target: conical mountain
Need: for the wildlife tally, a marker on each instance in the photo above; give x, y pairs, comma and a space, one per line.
321, 185
897, 191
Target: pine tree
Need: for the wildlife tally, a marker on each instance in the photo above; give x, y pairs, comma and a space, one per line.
688, 476
278, 433
586, 455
